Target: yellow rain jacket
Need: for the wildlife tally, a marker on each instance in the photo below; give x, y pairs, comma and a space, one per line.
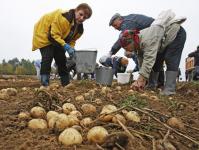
57, 27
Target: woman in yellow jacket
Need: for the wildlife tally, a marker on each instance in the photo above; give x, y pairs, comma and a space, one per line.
54, 34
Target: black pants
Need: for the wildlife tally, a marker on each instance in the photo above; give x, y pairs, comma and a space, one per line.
50, 52
171, 54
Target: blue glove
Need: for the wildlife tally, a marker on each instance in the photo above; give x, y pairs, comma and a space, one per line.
69, 49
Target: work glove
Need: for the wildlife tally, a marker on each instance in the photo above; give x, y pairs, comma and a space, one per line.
69, 49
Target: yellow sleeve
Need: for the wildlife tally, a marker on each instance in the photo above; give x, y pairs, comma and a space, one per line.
58, 26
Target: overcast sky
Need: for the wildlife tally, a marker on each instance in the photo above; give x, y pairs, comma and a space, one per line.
19, 16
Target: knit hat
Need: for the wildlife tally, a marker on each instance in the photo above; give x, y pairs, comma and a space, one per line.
129, 36
115, 16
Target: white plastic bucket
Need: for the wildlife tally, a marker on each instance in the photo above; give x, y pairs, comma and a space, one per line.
123, 78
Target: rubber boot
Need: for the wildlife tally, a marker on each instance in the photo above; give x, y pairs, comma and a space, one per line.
153, 80
65, 80
45, 79
170, 84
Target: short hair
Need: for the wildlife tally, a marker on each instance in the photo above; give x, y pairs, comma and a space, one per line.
86, 8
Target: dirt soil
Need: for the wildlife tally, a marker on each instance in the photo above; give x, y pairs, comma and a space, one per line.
148, 134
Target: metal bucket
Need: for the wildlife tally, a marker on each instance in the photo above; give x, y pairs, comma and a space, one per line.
104, 75
85, 60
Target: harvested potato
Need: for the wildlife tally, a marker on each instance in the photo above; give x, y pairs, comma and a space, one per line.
107, 109
175, 122
37, 124
86, 122
87, 96
88, 109
62, 122
24, 115
120, 118
76, 113
118, 88
38, 112
73, 120
11, 91
97, 134
51, 114
133, 116
80, 99
98, 101
70, 136
68, 107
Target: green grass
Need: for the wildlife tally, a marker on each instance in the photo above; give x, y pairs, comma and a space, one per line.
134, 101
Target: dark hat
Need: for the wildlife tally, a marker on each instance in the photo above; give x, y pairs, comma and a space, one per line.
115, 16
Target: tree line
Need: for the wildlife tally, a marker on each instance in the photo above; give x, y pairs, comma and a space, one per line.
17, 67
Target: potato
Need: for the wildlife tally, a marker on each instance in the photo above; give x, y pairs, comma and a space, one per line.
97, 134
80, 99
24, 115
4, 96
154, 98
133, 116
131, 92
68, 107
86, 122
88, 109
73, 120
91, 92
51, 114
52, 122
70, 136
24, 89
87, 96
98, 101
11, 91
175, 122
118, 88
76, 113
120, 118
38, 112
37, 124
62, 122
105, 90
107, 109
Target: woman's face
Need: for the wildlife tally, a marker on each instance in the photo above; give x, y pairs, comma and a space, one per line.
80, 16
129, 47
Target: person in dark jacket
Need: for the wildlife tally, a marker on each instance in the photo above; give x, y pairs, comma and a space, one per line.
131, 22
195, 54
56, 33
119, 64
165, 39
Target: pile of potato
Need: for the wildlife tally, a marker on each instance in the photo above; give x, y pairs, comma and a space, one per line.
70, 122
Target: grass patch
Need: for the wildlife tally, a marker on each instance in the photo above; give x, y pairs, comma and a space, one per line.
85, 83
132, 100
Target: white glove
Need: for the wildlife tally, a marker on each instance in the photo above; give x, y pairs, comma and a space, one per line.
103, 59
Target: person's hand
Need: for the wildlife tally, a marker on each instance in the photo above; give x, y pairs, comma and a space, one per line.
69, 49
139, 84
